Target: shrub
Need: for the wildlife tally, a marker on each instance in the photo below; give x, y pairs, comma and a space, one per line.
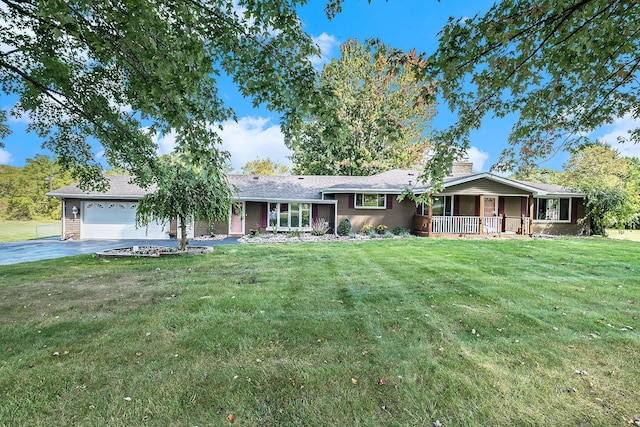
373, 234
319, 227
401, 231
295, 233
381, 229
366, 229
388, 235
344, 228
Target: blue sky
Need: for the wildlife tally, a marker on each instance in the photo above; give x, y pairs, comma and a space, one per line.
404, 24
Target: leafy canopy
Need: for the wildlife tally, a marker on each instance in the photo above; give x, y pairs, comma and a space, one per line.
563, 67
87, 71
611, 192
187, 192
378, 118
264, 167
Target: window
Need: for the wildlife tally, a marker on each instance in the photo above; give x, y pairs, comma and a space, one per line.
283, 216
441, 206
556, 209
371, 201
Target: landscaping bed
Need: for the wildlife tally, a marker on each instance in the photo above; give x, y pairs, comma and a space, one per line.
152, 251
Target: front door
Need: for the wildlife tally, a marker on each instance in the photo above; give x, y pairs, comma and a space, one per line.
236, 224
490, 206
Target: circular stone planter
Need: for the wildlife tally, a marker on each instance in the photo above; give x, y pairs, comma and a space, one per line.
152, 252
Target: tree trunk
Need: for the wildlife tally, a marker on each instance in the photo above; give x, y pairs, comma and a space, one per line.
182, 245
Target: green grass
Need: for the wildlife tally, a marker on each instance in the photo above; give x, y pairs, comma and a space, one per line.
302, 334
14, 231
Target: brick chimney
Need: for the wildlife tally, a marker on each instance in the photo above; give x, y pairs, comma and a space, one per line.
461, 167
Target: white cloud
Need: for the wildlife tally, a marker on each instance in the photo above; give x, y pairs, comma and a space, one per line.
251, 138
478, 158
166, 143
326, 43
5, 157
620, 128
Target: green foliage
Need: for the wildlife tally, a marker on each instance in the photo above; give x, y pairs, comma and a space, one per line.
344, 227
187, 191
564, 67
401, 231
295, 233
23, 190
539, 175
319, 227
367, 228
377, 118
264, 167
611, 192
122, 72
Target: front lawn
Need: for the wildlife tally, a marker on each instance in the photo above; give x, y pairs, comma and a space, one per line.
380, 333
14, 231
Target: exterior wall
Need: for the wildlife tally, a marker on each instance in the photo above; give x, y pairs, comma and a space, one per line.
561, 228
254, 216
483, 186
71, 226
327, 212
581, 227
400, 215
513, 206
466, 206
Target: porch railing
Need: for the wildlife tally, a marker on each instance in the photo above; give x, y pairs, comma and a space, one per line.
471, 225
454, 225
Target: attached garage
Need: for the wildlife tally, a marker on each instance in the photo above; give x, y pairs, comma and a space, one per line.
104, 219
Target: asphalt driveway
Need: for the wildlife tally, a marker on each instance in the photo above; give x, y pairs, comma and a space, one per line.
36, 250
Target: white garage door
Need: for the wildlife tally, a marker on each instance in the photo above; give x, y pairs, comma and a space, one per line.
116, 220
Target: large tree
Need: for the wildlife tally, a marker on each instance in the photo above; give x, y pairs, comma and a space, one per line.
118, 72
187, 192
562, 67
378, 119
611, 190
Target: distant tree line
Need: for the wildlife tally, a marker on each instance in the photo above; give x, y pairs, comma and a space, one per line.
23, 189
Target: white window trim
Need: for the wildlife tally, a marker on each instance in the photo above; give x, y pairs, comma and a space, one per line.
289, 228
425, 209
552, 221
355, 201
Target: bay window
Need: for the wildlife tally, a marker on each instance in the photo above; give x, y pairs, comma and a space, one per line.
285, 216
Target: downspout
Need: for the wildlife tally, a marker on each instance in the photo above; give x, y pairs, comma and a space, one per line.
335, 220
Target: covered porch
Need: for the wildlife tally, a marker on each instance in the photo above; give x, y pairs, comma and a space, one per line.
490, 215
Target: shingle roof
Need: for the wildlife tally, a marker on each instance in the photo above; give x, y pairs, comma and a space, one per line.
548, 188
295, 187
119, 187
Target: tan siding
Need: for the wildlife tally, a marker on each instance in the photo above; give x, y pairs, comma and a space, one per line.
513, 206
72, 226
401, 215
483, 186
561, 229
467, 205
